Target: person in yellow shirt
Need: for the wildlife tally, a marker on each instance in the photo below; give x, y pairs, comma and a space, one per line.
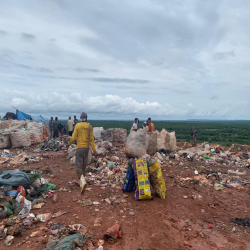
83, 132
151, 126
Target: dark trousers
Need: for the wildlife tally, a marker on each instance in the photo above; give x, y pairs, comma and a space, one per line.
81, 161
55, 134
70, 133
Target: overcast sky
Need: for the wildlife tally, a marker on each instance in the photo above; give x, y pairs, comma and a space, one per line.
125, 59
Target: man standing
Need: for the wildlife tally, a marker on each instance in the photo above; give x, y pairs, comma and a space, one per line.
83, 132
70, 126
51, 128
75, 121
151, 126
55, 128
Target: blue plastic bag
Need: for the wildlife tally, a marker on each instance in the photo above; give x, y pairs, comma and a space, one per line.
129, 181
14, 178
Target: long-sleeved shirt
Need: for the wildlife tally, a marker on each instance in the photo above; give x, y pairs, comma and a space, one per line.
83, 132
151, 127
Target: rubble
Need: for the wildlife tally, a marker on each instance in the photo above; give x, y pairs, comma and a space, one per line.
189, 170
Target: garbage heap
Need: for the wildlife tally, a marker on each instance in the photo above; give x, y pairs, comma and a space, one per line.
212, 165
19, 158
19, 193
18, 134
55, 144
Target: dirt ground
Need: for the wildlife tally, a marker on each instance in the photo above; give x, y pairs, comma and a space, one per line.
174, 223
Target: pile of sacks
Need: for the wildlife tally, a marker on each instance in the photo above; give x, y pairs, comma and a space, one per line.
142, 142
20, 133
144, 175
111, 135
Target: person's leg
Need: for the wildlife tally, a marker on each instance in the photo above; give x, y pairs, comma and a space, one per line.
79, 162
70, 133
85, 159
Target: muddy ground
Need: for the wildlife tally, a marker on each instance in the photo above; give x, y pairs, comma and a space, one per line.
174, 223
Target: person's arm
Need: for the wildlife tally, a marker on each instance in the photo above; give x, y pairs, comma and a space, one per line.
92, 140
73, 137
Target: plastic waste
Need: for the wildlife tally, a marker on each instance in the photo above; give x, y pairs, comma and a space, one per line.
83, 184
48, 186
59, 213
53, 196
3, 233
12, 194
113, 232
9, 240
21, 190
3, 212
44, 217
218, 187
27, 204
111, 165
79, 228
98, 222
207, 157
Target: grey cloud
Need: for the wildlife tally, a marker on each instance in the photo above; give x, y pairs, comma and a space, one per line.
23, 66
223, 55
119, 80
44, 70
28, 37
87, 70
3, 32
178, 91
214, 97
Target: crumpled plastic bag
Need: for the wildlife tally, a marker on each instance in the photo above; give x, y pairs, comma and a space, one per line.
113, 232
68, 242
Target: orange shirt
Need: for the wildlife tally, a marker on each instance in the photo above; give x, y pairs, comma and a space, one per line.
151, 127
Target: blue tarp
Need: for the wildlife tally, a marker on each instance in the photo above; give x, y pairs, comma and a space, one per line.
39, 119
22, 116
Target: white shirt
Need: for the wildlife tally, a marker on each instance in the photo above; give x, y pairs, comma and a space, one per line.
135, 125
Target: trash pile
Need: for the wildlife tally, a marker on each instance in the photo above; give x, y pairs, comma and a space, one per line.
20, 158
234, 160
18, 134
55, 144
21, 192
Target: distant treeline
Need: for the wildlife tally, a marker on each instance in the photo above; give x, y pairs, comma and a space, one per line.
222, 132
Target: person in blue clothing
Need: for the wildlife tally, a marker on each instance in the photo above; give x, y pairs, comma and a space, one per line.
51, 128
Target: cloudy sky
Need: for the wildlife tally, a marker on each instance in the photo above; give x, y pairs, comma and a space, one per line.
124, 59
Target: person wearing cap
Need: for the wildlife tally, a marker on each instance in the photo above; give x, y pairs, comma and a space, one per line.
83, 132
144, 125
151, 126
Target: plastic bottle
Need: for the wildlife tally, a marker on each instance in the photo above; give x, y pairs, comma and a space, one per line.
44, 217
53, 196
